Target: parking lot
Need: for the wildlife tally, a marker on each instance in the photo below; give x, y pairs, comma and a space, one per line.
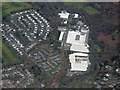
30, 28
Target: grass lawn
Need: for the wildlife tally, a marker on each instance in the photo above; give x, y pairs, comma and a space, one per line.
76, 4
8, 56
91, 10
0, 49
8, 7
0, 16
97, 48
81, 83
84, 5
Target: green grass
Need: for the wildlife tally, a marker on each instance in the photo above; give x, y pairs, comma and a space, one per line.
81, 83
0, 4
0, 16
9, 7
85, 6
76, 4
91, 10
0, 48
8, 56
115, 33
0, 11
97, 48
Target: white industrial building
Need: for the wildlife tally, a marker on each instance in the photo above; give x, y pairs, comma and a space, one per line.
79, 61
61, 36
76, 15
78, 40
64, 14
79, 43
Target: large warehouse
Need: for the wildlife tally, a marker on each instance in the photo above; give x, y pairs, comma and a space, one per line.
78, 40
79, 61
79, 43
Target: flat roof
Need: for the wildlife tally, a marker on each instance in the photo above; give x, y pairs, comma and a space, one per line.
61, 35
76, 15
79, 48
78, 66
79, 43
64, 15
71, 38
